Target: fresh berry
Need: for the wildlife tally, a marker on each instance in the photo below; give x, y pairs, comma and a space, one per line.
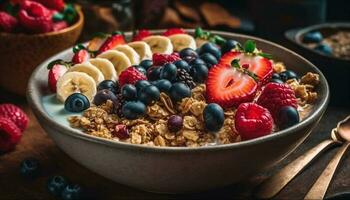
313, 37
210, 48
189, 59
35, 24
76, 102
96, 42
287, 75
197, 61
173, 31
184, 77
133, 109
149, 94
153, 73
142, 33
129, 92
161, 59
209, 59
276, 76
213, 116
199, 72
36, 9
80, 56
146, 64
10, 135
53, 4
141, 84
169, 72
15, 114
229, 87
54, 74
262, 67
188, 52
324, 48
229, 45
56, 184
274, 96
30, 168
8, 23
113, 86
253, 121
111, 42
121, 131
163, 85
119, 105
57, 26
175, 123
131, 75
181, 64
72, 192
102, 96
178, 91
287, 117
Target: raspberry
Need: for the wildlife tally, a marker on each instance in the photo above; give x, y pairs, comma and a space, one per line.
7, 22
276, 95
35, 24
15, 114
59, 25
10, 135
53, 4
173, 31
253, 121
36, 9
161, 59
130, 76
142, 33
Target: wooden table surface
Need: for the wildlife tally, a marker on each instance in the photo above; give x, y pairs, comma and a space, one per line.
35, 143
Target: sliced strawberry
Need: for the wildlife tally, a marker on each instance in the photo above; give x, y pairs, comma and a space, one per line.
81, 56
54, 74
95, 43
229, 87
173, 31
258, 65
112, 42
142, 33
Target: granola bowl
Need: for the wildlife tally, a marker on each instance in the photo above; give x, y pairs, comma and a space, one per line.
178, 169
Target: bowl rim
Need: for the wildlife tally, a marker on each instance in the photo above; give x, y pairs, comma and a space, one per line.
70, 28
41, 114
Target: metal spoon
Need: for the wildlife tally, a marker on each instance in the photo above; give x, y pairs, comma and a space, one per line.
319, 189
274, 184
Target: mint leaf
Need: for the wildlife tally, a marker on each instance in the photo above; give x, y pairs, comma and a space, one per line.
78, 47
57, 17
235, 63
198, 33
219, 40
265, 55
249, 46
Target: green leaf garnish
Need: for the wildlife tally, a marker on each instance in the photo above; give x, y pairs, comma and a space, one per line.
60, 62
11, 9
198, 33
265, 55
249, 46
219, 40
78, 47
57, 17
235, 64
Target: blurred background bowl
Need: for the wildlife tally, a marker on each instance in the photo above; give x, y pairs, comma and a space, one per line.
21, 53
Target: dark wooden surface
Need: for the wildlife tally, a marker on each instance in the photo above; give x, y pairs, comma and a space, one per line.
35, 143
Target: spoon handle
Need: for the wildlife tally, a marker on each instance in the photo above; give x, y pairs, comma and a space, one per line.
319, 189
271, 186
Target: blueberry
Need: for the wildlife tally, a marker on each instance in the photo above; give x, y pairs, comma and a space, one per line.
179, 91
133, 109
78, 102
275, 80
110, 85
103, 95
276, 76
169, 72
189, 59
146, 64
181, 64
288, 74
141, 83
324, 48
129, 92
153, 73
209, 59
56, 184
214, 117
140, 69
149, 94
188, 52
30, 168
287, 117
210, 48
175, 123
72, 192
197, 61
163, 85
314, 36
229, 45
199, 72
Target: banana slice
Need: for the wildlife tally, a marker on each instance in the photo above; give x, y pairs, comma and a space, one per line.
117, 58
181, 41
106, 67
75, 82
90, 70
142, 48
159, 44
130, 52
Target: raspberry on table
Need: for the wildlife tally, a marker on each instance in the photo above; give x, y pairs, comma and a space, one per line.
10, 135
15, 114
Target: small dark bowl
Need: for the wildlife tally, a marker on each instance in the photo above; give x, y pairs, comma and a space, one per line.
335, 69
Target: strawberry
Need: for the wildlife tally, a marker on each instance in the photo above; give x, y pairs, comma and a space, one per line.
57, 26
274, 96
130, 76
173, 31
10, 135
142, 33
112, 42
253, 121
229, 87
81, 56
95, 43
15, 114
8, 23
55, 73
160, 59
258, 65
35, 24
53, 4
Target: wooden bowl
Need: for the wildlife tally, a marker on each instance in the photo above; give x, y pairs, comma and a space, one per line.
21, 53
